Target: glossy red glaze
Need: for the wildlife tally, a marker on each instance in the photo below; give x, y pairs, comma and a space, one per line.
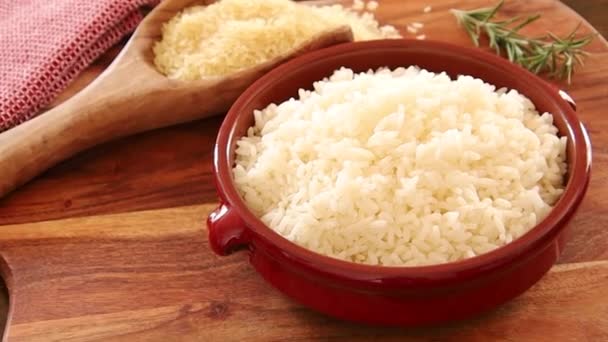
226, 230
397, 295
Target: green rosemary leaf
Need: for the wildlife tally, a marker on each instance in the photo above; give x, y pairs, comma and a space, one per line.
550, 54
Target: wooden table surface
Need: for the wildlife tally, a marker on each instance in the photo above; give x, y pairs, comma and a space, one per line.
171, 168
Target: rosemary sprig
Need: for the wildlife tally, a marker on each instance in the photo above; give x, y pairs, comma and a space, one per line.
550, 53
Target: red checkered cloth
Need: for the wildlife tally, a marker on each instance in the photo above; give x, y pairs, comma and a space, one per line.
45, 44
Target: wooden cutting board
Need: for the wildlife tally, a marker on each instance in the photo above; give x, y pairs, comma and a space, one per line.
118, 250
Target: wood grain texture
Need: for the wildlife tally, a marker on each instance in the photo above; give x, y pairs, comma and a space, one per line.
149, 276
593, 11
172, 167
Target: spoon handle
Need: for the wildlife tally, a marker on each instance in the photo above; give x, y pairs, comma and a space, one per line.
120, 102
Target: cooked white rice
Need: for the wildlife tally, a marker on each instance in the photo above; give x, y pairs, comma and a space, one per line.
402, 167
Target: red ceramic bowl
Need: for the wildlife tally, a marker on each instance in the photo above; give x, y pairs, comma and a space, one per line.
396, 295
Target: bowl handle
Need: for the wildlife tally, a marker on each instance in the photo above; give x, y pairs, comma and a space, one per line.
227, 232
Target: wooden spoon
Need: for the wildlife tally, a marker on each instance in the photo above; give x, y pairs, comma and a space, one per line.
131, 96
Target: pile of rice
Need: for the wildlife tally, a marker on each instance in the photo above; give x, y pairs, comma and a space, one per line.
401, 167
231, 35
